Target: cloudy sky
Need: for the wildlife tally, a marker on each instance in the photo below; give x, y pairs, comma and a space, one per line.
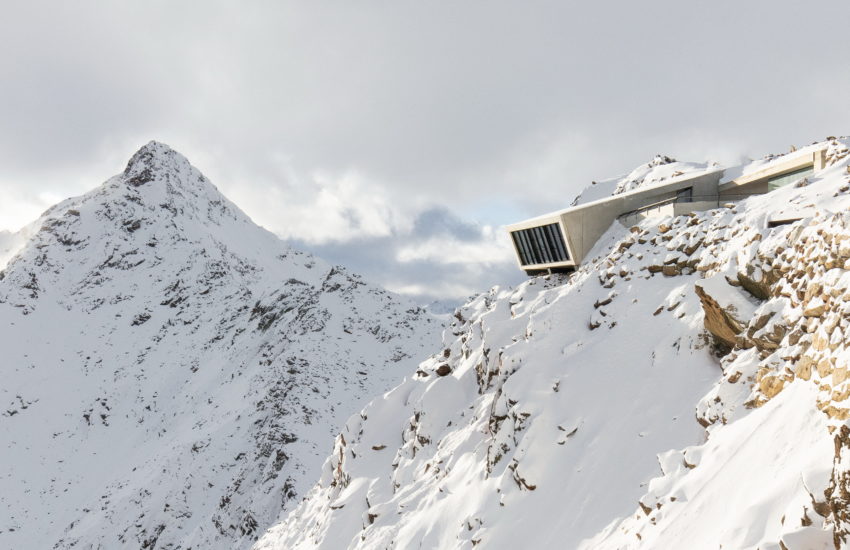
399, 137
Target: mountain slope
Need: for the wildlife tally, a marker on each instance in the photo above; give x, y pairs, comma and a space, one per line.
171, 371
710, 345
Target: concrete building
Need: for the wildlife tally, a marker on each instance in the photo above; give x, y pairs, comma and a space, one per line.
559, 241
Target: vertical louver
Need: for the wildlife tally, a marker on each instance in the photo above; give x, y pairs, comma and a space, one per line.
540, 245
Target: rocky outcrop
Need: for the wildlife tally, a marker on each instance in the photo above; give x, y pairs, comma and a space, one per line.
727, 311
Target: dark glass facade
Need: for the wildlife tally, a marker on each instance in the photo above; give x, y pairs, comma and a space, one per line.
540, 245
782, 181
685, 195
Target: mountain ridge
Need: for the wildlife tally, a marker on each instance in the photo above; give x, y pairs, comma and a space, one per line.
172, 370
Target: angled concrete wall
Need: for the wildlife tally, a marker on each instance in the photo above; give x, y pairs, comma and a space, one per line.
584, 224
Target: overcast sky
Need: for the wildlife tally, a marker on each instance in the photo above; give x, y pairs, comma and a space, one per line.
398, 137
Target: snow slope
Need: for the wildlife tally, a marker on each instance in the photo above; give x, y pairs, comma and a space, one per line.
687, 388
172, 373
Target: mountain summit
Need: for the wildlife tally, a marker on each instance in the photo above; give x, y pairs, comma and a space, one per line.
173, 372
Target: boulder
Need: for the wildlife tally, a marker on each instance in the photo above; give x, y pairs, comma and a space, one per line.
815, 308
727, 310
443, 370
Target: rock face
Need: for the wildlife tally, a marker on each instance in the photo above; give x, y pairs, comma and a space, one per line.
172, 372
726, 310
555, 424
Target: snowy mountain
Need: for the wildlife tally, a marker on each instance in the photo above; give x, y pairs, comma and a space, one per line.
687, 388
173, 374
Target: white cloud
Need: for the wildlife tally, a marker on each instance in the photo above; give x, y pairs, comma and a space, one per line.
323, 207
493, 248
332, 123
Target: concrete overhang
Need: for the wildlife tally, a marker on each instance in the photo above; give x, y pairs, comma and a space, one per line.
667, 185
546, 219
781, 166
583, 224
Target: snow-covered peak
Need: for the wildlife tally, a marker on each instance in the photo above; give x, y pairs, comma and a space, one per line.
157, 164
172, 372
152, 159
160, 212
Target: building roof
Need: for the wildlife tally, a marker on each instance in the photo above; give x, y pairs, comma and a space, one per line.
636, 191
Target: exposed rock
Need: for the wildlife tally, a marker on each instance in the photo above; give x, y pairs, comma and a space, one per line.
726, 313
815, 308
443, 370
671, 270
756, 282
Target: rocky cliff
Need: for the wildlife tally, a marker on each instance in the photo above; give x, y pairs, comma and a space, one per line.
686, 388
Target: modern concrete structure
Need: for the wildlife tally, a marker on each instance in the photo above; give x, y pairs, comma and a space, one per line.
559, 241
777, 173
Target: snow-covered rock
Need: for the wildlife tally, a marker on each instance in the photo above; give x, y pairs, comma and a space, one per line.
173, 374
593, 412
726, 309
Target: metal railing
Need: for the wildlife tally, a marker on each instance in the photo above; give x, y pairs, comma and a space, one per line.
718, 200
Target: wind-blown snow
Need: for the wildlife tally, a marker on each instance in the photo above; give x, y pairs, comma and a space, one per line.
595, 411
173, 373
11, 244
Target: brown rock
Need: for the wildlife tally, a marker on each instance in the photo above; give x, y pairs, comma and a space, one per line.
759, 289
824, 368
443, 370
813, 289
771, 385
671, 270
820, 341
625, 245
803, 368
722, 324
815, 309
691, 248
842, 394
837, 413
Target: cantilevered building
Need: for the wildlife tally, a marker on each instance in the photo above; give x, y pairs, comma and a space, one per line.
559, 241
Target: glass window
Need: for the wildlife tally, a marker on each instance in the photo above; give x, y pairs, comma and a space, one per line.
685, 195
543, 244
787, 179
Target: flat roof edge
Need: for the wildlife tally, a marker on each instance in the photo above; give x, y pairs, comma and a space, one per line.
557, 213
551, 265
778, 169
